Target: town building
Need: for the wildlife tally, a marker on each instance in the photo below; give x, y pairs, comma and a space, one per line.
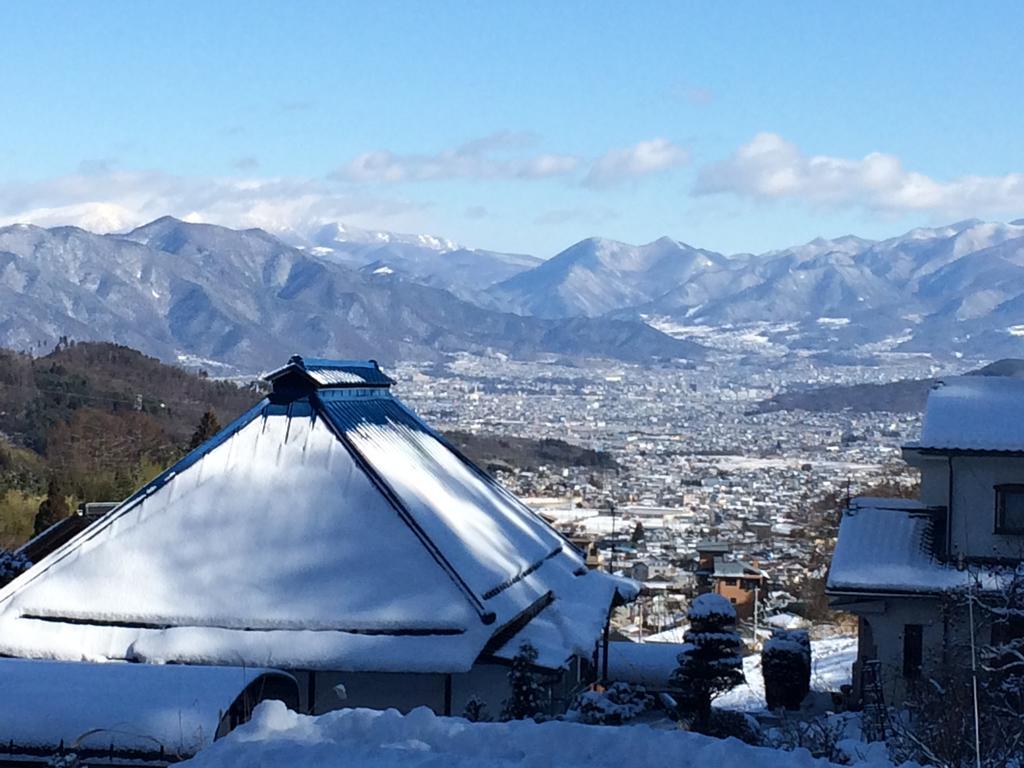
740, 582
332, 534
900, 564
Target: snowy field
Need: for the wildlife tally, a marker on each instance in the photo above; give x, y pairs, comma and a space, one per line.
831, 664
362, 738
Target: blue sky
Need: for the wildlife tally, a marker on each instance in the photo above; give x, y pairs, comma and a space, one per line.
516, 126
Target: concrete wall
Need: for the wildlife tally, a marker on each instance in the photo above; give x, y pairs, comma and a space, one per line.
934, 479
379, 690
974, 506
972, 532
886, 621
444, 694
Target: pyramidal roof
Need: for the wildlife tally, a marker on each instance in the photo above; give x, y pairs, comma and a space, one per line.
327, 528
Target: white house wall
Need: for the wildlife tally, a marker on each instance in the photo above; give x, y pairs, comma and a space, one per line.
887, 632
974, 505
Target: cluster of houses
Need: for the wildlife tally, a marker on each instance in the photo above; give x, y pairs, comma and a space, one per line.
334, 550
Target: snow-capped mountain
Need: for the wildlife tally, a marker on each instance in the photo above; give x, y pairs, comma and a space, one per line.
597, 276
958, 288
426, 259
197, 291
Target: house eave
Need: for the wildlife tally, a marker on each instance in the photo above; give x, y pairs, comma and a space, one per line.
950, 451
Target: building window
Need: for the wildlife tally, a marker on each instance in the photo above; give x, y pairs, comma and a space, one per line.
913, 650
1010, 508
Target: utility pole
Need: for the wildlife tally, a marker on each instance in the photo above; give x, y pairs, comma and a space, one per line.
756, 591
974, 682
611, 564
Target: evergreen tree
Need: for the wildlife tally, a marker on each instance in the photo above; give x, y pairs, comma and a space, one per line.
476, 710
527, 699
208, 427
711, 662
53, 508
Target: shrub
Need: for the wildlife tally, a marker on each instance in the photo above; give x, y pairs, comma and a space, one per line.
618, 704
786, 665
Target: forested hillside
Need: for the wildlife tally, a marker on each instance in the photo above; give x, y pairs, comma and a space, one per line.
91, 422
94, 421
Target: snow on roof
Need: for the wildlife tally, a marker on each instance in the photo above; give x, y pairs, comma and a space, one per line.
736, 569
975, 413
139, 707
886, 545
335, 373
334, 532
570, 625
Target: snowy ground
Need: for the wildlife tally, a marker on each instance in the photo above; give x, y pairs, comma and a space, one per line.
362, 738
831, 663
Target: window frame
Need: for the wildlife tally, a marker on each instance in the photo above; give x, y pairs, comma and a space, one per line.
1001, 491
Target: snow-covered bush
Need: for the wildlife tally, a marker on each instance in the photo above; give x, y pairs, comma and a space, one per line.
723, 724
476, 710
69, 760
828, 736
528, 694
617, 704
710, 662
786, 664
12, 565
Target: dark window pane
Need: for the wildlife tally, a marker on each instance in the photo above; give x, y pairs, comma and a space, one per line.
1012, 505
913, 650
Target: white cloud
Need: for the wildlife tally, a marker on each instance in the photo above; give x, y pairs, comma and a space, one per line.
770, 168
497, 156
116, 201
503, 156
641, 159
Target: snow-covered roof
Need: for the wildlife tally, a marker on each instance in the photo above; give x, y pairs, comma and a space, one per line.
736, 569
127, 707
982, 413
335, 373
335, 531
888, 545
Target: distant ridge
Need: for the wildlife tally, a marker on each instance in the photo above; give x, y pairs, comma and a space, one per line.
905, 396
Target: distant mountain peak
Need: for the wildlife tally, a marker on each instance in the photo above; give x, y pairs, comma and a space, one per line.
335, 233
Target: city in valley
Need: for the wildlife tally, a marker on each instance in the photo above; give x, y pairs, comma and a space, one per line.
692, 456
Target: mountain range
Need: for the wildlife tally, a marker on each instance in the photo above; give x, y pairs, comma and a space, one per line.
204, 294
954, 289
199, 293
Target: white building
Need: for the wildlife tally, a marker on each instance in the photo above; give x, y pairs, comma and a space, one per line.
896, 559
330, 533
